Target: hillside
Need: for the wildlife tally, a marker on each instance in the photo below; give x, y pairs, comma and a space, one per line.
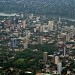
54, 7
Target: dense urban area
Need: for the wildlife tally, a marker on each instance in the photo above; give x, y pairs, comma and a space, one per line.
37, 37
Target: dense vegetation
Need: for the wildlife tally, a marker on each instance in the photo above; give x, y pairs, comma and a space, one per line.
53, 7
24, 59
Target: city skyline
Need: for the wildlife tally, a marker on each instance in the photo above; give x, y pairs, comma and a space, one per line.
37, 37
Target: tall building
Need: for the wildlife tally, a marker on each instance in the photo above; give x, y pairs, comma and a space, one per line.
13, 42
45, 55
24, 24
50, 25
42, 28
26, 40
40, 41
67, 37
59, 20
9, 23
15, 20
64, 51
59, 68
22, 16
27, 35
25, 44
56, 60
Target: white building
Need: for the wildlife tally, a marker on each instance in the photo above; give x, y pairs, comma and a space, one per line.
42, 28
50, 25
22, 15
59, 68
56, 60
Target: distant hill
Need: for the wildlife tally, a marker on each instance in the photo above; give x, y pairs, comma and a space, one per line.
54, 7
